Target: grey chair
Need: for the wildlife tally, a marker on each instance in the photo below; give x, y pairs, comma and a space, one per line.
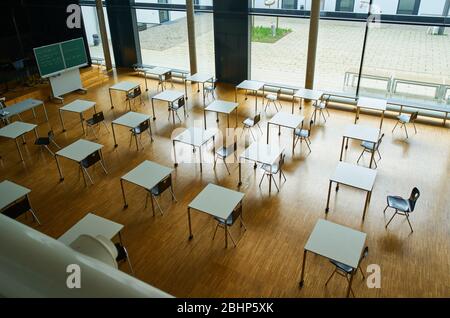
158, 190
235, 215
405, 119
345, 270
371, 147
133, 95
271, 170
163, 79
95, 121
137, 131
117, 251
249, 123
319, 107
224, 152
175, 107
20, 207
274, 99
302, 134
89, 161
211, 89
45, 142
403, 206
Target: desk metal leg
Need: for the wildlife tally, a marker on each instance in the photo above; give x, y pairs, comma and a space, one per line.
366, 203
268, 132
302, 275
203, 93
114, 135
45, 111
226, 235
82, 125
328, 198
61, 177
185, 89
145, 79
293, 102
200, 154
382, 119
125, 204
256, 102
150, 132
372, 157
174, 154
153, 109
204, 116
110, 99
190, 226
237, 118
153, 204
357, 115
350, 283
240, 171
62, 121
293, 142
228, 120
18, 149
346, 144
235, 94
173, 113
342, 149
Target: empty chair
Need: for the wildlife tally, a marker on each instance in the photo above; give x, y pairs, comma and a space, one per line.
90, 161
174, 107
404, 119
271, 170
46, 141
403, 206
3, 108
158, 190
211, 89
371, 147
96, 120
163, 79
249, 123
117, 251
320, 106
224, 152
225, 224
345, 270
303, 134
137, 131
131, 96
274, 99
20, 207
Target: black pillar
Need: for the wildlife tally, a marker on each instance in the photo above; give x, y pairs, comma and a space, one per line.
124, 34
231, 40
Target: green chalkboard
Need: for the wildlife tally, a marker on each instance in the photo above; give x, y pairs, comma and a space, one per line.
49, 59
74, 53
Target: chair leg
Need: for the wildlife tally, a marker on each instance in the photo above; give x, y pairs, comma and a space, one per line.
173, 194
106, 126
395, 213
85, 170
395, 126
157, 204
129, 264
103, 166
252, 134
307, 144
362, 273
226, 166
331, 276
406, 131
360, 156
53, 142
384, 211
48, 149
260, 129
414, 125
215, 231
34, 216
410, 226
260, 182
242, 223
146, 199
231, 237
274, 182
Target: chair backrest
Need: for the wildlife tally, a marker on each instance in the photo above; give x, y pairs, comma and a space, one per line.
281, 162
379, 141
279, 93
137, 92
256, 119
233, 147
91, 159
162, 186
18, 208
2, 103
51, 134
168, 76
98, 117
415, 194
181, 102
144, 126
413, 116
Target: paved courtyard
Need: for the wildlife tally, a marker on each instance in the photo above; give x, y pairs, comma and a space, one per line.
392, 49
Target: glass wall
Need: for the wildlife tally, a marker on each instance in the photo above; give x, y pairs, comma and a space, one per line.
204, 39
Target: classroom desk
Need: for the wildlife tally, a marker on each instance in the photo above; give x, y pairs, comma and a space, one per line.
285, 120
260, 153
92, 225
335, 242
10, 192
146, 175
18, 129
305, 93
158, 71
20, 107
78, 151
253, 86
216, 201
372, 104
353, 176
125, 87
361, 133
222, 107
131, 120
196, 137
169, 96
199, 78
78, 106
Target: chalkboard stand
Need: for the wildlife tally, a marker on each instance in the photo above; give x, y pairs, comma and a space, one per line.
66, 82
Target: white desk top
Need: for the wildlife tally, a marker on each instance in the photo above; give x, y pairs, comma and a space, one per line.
287, 120
220, 106
336, 242
22, 106
217, 201
251, 85
124, 86
200, 78
131, 119
16, 129
79, 150
169, 95
362, 133
308, 94
147, 174
158, 70
10, 192
92, 225
354, 176
372, 103
195, 136
262, 153
78, 106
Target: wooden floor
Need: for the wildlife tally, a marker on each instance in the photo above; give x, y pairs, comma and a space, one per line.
267, 259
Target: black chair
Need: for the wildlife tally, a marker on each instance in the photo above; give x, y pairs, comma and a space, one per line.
19, 208
303, 134
174, 107
131, 96
371, 147
122, 256
46, 141
224, 152
162, 79
96, 120
89, 161
235, 215
345, 270
158, 190
404, 119
137, 131
249, 123
403, 206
